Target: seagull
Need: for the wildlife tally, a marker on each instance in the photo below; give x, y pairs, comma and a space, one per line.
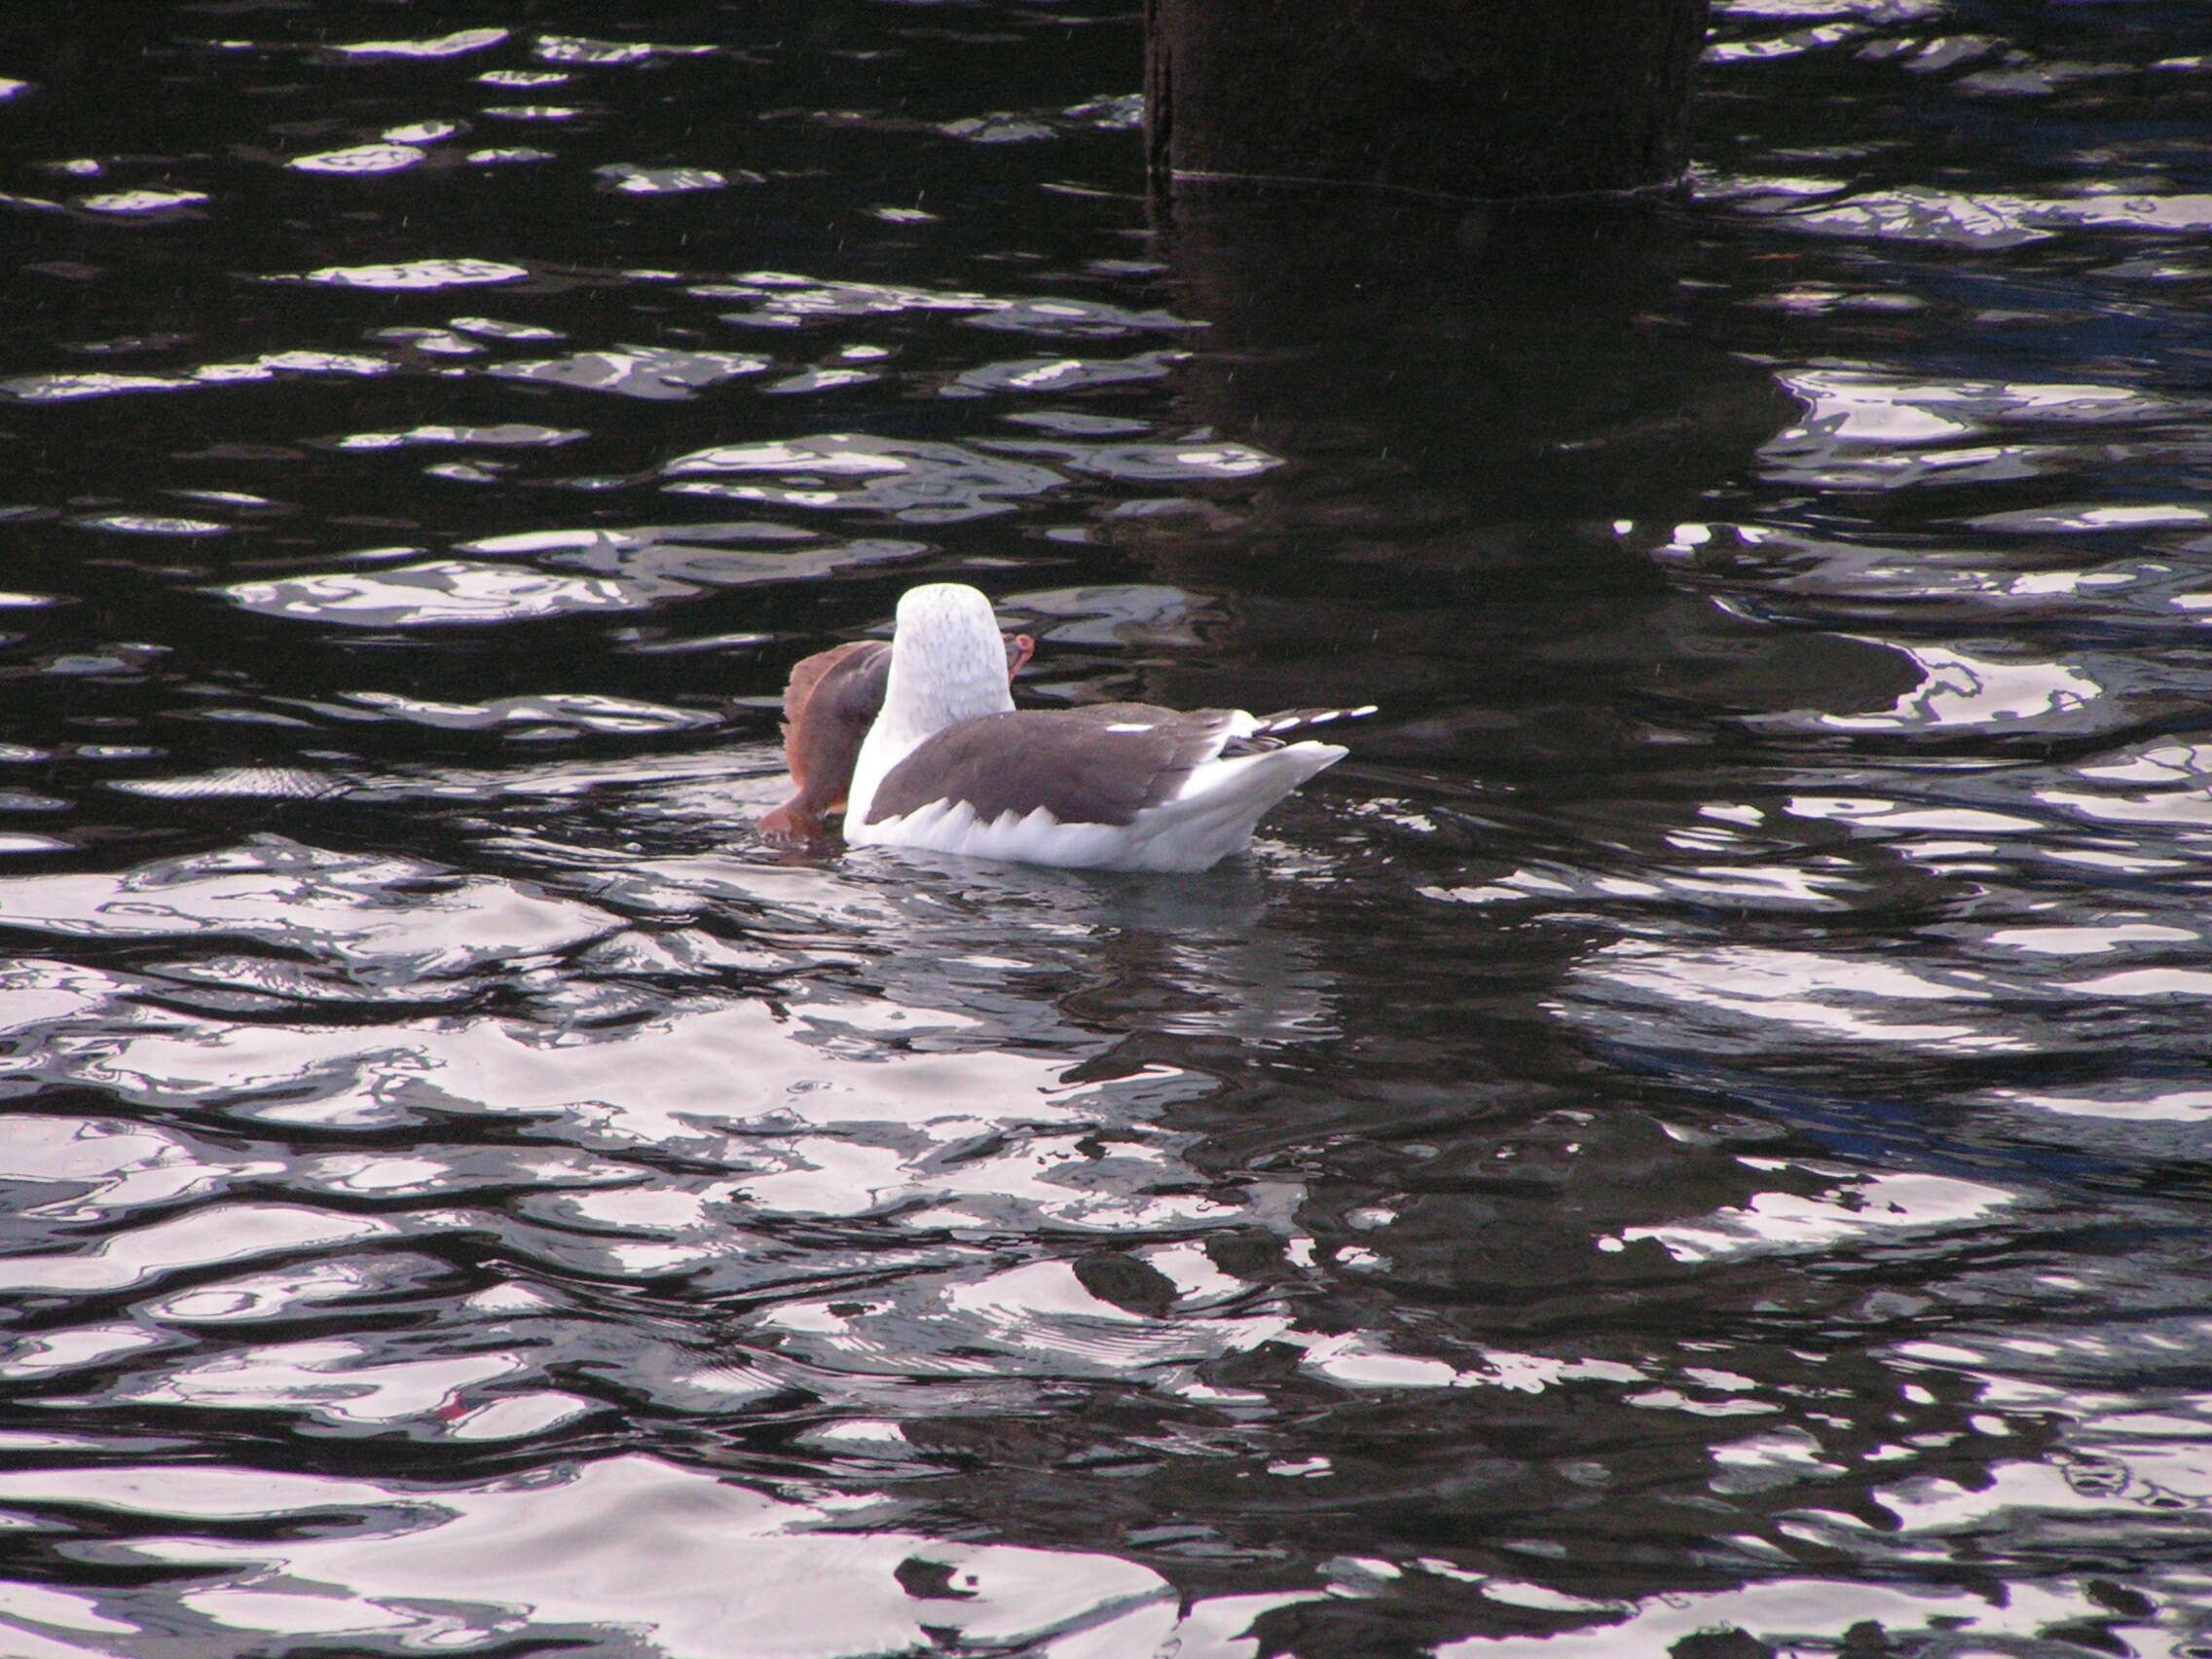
950, 765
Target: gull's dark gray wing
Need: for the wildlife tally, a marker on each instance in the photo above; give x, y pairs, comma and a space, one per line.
1100, 764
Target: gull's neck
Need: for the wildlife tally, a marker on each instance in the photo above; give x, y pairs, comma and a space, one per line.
947, 665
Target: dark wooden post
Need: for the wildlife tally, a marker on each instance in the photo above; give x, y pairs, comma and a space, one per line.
1483, 100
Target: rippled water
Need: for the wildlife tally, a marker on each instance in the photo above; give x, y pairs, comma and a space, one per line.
1694, 1137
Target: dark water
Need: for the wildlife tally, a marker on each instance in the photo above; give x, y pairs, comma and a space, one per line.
1700, 1126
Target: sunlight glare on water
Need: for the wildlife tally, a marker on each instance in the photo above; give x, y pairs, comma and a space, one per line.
1690, 1141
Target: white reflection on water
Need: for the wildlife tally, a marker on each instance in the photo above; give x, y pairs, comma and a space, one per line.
1744, 990
914, 482
360, 158
455, 44
1960, 689
338, 904
64, 387
603, 54
444, 593
1813, 1612
2100, 941
677, 1149
624, 1546
1873, 427
627, 179
1994, 219
414, 273
658, 373
199, 1238
1856, 1211
142, 200
2125, 1105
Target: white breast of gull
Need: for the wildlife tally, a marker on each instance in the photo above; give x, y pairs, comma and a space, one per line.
950, 765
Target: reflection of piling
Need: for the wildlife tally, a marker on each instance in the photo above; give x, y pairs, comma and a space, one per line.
1463, 400
1457, 98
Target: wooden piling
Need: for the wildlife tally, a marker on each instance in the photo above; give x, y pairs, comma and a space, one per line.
1478, 99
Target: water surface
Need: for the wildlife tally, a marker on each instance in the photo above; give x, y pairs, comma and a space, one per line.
1692, 1140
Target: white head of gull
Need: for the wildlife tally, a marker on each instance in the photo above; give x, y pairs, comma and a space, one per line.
950, 765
